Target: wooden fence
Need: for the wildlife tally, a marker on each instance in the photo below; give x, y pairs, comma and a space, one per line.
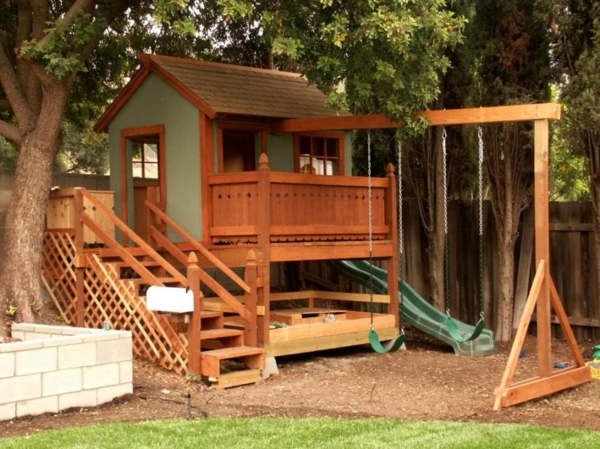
573, 263
7, 178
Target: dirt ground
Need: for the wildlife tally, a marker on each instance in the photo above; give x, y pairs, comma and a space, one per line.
425, 382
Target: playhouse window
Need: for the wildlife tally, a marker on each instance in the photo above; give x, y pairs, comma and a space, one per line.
144, 162
319, 155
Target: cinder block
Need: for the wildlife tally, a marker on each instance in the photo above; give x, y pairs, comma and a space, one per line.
8, 411
17, 334
62, 340
63, 381
100, 376
126, 372
20, 346
30, 336
107, 394
113, 351
75, 356
37, 406
36, 361
102, 336
75, 331
7, 365
20, 388
83, 398
22, 327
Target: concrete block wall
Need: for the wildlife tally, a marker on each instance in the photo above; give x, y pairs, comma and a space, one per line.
58, 367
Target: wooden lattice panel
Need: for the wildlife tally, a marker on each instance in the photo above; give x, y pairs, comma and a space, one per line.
108, 298
58, 271
112, 299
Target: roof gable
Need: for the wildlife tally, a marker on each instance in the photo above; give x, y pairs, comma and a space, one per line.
225, 89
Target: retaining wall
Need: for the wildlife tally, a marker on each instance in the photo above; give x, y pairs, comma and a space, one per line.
58, 367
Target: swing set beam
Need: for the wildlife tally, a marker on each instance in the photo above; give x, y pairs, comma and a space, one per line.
543, 295
468, 116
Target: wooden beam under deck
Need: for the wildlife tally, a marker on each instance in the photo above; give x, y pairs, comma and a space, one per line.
235, 255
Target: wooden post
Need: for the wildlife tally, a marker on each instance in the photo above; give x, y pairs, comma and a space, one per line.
541, 293
264, 242
250, 300
542, 246
81, 260
391, 219
194, 327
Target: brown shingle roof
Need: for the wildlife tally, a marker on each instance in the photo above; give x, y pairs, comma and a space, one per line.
228, 89
232, 89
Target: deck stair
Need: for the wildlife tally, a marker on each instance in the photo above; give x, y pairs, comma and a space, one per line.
220, 344
144, 265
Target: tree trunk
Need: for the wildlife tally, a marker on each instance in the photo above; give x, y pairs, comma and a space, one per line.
436, 238
506, 290
20, 268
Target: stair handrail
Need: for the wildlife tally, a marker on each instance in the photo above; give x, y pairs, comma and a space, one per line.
130, 233
198, 246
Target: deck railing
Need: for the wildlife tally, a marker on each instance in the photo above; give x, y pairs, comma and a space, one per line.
298, 207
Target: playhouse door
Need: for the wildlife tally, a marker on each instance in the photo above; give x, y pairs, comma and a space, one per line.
145, 170
238, 151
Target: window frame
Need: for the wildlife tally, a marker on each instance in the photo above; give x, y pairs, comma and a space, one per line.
340, 137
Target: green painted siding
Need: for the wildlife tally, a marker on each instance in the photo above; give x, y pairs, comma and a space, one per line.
156, 103
281, 152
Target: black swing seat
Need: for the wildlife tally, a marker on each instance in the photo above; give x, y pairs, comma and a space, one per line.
461, 338
390, 346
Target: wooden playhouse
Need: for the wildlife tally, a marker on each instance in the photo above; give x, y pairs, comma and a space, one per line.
220, 172
208, 195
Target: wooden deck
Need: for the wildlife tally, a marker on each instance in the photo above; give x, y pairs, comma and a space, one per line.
94, 278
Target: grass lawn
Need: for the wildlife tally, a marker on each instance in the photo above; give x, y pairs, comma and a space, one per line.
305, 433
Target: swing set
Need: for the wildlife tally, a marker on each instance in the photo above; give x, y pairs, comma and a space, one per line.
451, 325
543, 295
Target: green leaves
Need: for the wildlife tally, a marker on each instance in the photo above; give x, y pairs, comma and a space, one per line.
60, 52
387, 54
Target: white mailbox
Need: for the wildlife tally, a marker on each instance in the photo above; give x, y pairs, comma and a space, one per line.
170, 299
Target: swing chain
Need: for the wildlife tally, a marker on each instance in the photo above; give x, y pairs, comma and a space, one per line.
401, 236
370, 198
446, 248
480, 192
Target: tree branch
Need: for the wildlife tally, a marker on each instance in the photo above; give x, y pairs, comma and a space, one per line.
18, 101
71, 15
10, 132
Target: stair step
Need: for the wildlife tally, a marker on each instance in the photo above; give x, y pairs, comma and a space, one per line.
215, 334
252, 357
145, 263
209, 314
167, 280
232, 353
133, 250
236, 378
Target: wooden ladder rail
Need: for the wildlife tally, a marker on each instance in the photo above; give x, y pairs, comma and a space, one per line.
203, 276
128, 232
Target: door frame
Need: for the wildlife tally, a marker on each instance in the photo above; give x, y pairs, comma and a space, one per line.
128, 133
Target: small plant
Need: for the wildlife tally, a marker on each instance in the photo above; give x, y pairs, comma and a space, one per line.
11, 311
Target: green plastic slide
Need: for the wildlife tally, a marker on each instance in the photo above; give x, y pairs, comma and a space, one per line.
418, 312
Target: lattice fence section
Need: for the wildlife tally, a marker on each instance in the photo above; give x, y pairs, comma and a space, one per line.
108, 298
115, 300
58, 273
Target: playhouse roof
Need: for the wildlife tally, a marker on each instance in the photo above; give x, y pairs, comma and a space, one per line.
224, 89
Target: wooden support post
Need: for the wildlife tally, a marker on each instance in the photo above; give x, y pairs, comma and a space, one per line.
194, 327
250, 300
80, 258
391, 220
542, 294
542, 245
264, 242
